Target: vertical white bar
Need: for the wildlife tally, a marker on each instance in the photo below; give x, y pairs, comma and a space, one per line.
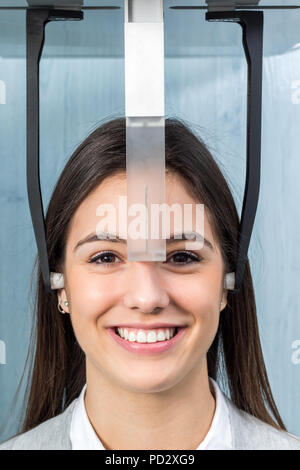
145, 126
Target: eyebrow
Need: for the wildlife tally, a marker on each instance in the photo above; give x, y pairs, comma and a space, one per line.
93, 237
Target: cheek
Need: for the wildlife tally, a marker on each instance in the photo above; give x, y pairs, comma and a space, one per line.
200, 299
197, 294
91, 297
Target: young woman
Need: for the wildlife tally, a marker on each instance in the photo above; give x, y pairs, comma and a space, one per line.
92, 385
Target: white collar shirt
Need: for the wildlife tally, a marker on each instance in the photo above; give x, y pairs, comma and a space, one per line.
218, 437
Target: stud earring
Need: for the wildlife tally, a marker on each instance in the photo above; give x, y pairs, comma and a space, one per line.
66, 303
60, 309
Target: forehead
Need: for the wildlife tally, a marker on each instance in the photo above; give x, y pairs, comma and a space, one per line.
85, 219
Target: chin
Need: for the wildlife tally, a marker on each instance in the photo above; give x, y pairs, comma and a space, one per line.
147, 384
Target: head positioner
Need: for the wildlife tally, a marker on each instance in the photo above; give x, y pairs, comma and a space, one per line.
145, 120
57, 281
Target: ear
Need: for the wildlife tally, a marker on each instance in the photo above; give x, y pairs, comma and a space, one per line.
224, 300
62, 298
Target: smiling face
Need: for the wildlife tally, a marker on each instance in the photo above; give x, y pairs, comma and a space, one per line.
104, 291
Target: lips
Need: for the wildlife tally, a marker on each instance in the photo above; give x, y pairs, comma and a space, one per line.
148, 348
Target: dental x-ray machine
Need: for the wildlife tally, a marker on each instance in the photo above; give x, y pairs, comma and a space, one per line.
145, 121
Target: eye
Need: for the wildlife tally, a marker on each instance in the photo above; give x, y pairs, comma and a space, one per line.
104, 254
185, 254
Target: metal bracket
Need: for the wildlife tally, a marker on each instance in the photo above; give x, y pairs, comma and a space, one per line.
222, 5
55, 4
36, 20
252, 26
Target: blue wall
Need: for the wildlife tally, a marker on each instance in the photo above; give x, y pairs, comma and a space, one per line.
82, 83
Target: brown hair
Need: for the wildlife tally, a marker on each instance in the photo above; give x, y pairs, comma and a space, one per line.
57, 372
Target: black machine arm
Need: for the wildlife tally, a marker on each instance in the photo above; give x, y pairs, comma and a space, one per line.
36, 21
252, 26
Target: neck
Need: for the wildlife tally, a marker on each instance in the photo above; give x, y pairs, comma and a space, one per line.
176, 418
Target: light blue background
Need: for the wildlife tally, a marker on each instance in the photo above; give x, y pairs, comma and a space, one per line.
82, 83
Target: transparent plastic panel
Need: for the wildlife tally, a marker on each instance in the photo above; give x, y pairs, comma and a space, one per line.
145, 166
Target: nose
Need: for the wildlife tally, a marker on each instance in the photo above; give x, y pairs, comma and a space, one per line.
144, 288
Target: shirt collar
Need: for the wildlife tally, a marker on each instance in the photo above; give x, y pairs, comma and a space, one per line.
82, 433
219, 436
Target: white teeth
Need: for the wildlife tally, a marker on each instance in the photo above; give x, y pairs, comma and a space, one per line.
131, 336
146, 336
152, 337
141, 337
